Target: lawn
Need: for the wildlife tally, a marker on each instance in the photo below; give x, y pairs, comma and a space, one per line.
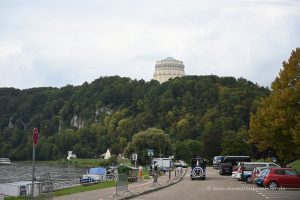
295, 164
78, 189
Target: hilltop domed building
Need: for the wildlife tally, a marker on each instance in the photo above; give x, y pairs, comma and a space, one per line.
168, 68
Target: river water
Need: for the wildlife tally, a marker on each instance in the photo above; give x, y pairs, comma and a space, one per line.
62, 176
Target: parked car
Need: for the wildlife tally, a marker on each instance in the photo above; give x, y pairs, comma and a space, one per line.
255, 173
244, 171
282, 177
259, 181
235, 169
217, 160
225, 169
181, 163
198, 166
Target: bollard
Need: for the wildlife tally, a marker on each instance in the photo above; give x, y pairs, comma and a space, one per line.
155, 178
140, 171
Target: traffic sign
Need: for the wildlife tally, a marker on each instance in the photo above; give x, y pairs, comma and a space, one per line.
134, 156
35, 136
150, 152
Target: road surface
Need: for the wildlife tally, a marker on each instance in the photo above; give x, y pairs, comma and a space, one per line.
217, 187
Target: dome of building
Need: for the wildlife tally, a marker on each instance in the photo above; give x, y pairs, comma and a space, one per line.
168, 68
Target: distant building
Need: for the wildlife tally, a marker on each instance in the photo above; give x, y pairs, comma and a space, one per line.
106, 155
71, 155
168, 68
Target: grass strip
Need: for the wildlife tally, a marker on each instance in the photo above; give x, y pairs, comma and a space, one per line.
78, 189
295, 164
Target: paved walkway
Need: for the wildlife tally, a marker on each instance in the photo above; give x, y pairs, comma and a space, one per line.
135, 189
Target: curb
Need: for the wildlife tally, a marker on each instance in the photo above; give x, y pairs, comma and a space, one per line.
153, 190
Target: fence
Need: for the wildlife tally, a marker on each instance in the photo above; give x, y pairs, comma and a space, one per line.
43, 188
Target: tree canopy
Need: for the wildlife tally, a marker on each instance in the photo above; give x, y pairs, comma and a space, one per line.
196, 113
275, 125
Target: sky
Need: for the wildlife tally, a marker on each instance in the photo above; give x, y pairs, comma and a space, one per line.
59, 42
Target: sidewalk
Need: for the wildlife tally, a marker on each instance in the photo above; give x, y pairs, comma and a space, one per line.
135, 189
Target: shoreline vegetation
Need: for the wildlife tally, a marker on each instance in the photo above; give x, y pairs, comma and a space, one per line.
84, 163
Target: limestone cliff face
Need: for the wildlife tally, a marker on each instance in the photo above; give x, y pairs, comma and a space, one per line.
10, 124
77, 122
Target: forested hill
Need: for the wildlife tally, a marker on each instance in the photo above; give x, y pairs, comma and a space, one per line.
207, 111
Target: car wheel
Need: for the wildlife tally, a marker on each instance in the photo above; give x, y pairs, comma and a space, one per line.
249, 180
273, 185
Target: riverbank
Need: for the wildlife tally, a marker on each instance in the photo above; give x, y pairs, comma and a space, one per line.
72, 190
78, 162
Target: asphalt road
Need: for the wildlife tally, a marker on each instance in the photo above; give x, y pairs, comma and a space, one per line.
217, 187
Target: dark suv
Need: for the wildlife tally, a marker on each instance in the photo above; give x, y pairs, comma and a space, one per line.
198, 166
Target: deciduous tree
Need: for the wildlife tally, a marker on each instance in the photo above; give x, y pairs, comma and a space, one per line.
275, 125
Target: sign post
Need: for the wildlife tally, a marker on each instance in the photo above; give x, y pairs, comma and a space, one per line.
150, 154
35, 140
170, 165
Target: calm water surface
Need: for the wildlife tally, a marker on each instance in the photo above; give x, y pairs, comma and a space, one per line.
63, 176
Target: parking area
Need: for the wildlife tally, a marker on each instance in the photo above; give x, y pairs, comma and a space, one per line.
261, 192
280, 194
266, 193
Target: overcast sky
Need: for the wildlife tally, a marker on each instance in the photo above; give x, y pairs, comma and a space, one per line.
60, 42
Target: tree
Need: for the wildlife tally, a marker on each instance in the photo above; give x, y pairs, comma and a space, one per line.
236, 143
275, 125
151, 138
211, 139
182, 151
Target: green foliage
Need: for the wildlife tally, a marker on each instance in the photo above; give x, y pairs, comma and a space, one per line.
185, 150
295, 164
192, 112
275, 125
152, 138
235, 143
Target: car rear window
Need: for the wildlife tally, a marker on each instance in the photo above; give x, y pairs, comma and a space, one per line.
291, 172
273, 165
279, 171
263, 172
250, 167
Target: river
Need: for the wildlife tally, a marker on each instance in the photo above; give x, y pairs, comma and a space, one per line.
62, 176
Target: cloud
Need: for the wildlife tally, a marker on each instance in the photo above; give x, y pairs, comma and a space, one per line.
55, 43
